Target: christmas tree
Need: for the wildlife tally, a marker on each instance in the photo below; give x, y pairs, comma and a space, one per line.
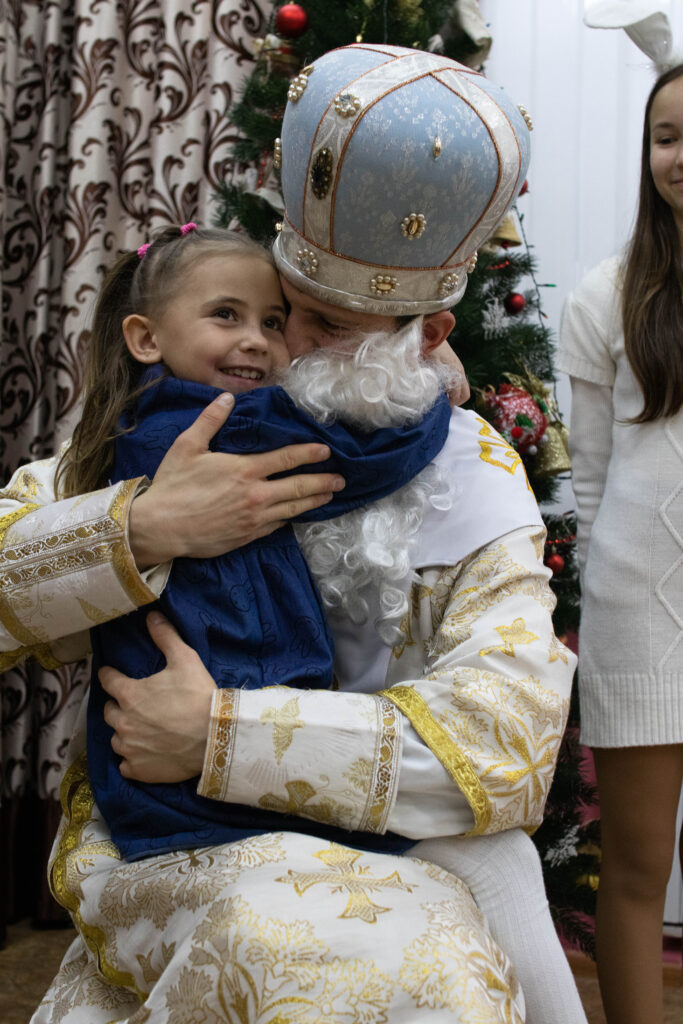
500, 336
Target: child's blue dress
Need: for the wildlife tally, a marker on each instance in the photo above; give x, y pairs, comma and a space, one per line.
254, 615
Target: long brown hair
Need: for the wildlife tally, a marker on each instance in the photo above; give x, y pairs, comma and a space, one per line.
111, 376
652, 298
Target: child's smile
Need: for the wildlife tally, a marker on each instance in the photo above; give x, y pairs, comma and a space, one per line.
223, 328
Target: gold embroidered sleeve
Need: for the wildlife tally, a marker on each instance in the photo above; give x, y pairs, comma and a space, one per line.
493, 700
64, 566
329, 756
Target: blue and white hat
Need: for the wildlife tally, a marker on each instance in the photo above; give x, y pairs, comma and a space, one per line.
397, 165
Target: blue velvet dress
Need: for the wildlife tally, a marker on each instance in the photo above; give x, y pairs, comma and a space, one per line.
254, 615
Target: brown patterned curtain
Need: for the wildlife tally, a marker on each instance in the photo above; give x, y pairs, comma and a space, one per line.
114, 122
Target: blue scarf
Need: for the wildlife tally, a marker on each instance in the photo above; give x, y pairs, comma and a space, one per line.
254, 615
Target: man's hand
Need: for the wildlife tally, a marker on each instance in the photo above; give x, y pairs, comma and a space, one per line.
161, 723
202, 503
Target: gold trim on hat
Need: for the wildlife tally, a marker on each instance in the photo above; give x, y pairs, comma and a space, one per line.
297, 87
383, 284
413, 225
368, 106
308, 262
448, 284
525, 114
346, 104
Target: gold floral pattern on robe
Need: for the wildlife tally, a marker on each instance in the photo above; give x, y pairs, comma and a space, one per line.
241, 934
492, 702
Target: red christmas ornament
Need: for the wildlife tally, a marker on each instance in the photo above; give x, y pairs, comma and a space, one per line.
517, 416
555, 563
514, 303
291, 21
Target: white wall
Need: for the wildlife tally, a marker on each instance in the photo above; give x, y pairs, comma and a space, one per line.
585, 90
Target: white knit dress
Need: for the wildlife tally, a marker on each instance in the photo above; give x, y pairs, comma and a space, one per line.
628, 482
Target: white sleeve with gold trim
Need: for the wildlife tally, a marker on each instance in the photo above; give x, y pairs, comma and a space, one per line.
64, 566
493, 701
483, 681
319, 754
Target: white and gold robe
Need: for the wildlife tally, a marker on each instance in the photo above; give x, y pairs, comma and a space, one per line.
454, 730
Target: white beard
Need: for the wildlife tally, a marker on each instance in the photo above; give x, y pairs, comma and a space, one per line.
383, 382
362, 559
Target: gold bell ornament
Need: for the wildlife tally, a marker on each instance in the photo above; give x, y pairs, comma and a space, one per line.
505, 236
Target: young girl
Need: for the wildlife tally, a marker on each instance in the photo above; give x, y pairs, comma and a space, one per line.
622, 345
195, 313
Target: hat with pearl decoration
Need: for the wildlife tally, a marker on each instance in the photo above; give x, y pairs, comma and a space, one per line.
397, 165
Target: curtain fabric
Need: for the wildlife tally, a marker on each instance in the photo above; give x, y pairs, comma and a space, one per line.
114, 121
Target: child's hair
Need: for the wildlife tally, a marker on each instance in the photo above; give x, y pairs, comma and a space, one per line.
141, 281
652, 302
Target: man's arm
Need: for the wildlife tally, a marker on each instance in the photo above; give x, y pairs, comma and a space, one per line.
66, 565
490, 711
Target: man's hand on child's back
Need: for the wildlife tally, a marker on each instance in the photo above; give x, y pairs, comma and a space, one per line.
161, 723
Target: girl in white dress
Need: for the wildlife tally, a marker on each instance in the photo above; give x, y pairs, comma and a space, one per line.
622, 344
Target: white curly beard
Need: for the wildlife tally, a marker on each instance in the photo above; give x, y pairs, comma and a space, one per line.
362, 559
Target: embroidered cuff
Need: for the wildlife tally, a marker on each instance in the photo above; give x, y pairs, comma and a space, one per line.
332, 757
67, 566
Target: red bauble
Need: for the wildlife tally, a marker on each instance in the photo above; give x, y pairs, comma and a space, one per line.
514, 303
555, 563
517, 416
291, 21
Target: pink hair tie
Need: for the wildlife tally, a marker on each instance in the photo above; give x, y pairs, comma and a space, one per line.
143, 249
186, 228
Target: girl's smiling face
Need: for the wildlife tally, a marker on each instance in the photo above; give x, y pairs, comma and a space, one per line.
224, 327
666, 147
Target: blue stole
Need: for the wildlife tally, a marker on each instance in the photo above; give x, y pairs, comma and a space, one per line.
254, 615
